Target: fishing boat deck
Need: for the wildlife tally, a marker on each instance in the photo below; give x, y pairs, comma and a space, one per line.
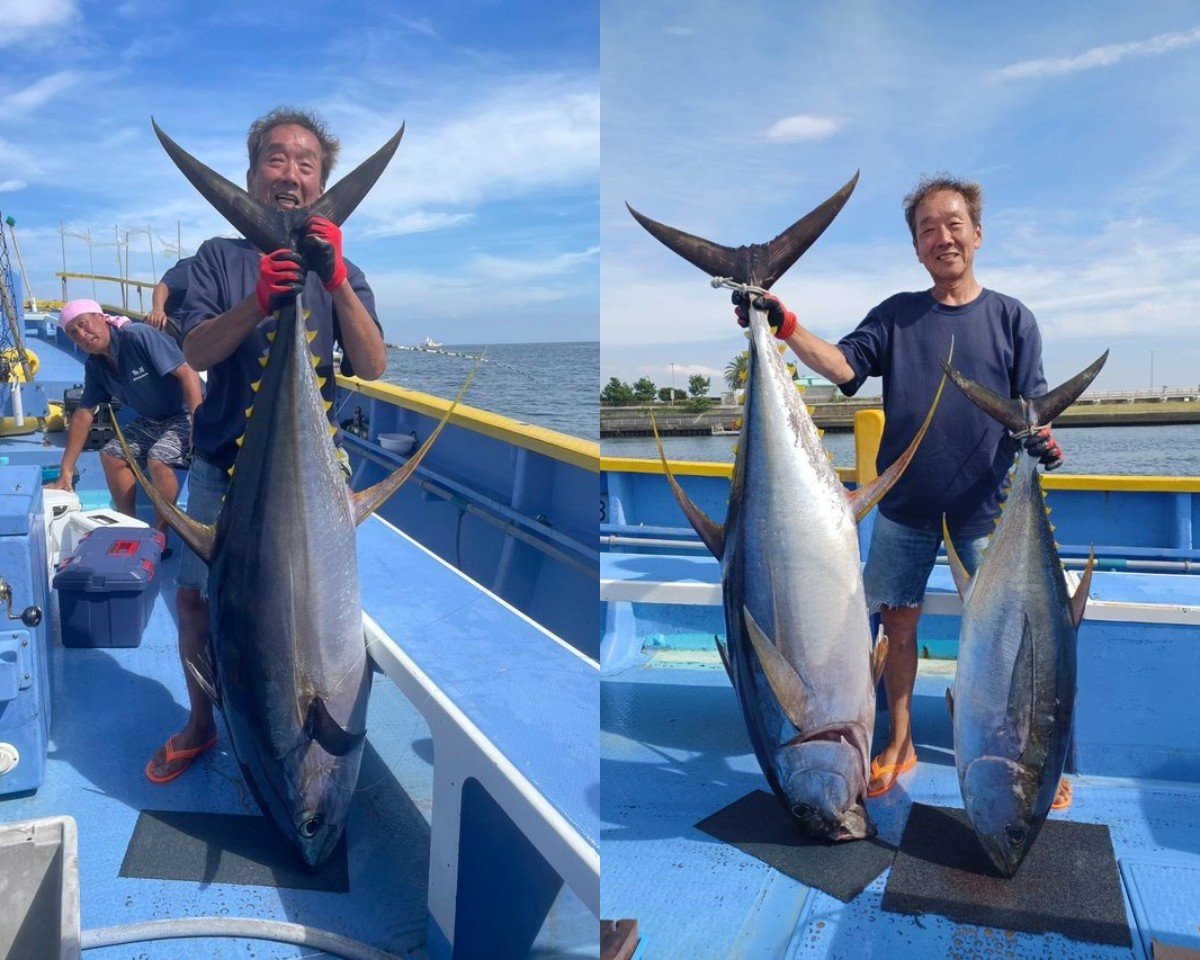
111, 708
674, 751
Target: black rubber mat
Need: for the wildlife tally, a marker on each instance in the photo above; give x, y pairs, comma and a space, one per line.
1068, 883
224, 848
758, 825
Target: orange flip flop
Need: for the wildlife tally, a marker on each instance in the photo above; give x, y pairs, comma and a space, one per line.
1063, 798
881, 770
174, 755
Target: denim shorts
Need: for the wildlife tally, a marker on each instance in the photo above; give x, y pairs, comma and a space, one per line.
900, 560
207, 484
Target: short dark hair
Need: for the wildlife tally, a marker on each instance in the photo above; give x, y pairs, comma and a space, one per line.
970, 191
307, 119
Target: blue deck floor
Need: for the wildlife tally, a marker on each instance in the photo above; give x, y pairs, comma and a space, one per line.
674, 750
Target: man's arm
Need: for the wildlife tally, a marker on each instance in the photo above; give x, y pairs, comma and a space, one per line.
81, 424
820, 355
190, 382
157, 317
361, 339
214, 339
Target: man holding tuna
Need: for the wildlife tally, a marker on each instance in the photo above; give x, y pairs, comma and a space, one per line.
233, 291
959, 469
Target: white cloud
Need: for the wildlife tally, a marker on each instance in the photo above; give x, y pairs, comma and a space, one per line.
804, 126
21, 18
419, 221
510, 270
11, 186
1105, 56
39, 93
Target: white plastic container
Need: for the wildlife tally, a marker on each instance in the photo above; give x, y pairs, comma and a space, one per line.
59, 505
39, 887
78, 525
400, 443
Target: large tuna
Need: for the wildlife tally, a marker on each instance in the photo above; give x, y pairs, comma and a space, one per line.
288, 660
799, 650
1014, 691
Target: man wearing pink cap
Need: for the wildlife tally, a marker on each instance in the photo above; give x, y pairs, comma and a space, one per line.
145, 370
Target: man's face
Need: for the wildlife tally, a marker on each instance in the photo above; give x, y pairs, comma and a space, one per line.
946, 238
288, 172
90, 332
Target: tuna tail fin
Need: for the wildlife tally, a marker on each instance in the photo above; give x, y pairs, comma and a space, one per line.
759, 264
366, 502
1080, 598
1050, 405
962, 579
198, 536
711, 532
1011, 412
343, 197
265, 226
785, 683
862, 500
322, 729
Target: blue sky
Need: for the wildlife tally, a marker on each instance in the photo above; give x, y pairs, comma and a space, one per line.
1079, 119
483, 229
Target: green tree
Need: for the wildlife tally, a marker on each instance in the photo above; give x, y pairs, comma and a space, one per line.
644, 390
664, 394
617, 393
698, 385
736, 370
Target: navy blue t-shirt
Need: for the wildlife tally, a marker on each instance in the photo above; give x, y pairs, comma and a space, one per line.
223, 273
959, 468
144, 379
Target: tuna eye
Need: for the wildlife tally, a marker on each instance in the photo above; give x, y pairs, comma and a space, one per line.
1016, 836
309, 828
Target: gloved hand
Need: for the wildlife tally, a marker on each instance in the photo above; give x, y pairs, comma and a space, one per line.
1042, 445
280, 278
781, 319
321, 247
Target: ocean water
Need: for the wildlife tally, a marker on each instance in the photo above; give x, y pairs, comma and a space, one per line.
1169, 450
553, 385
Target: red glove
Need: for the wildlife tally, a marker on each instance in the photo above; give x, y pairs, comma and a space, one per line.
1042, 445
781, 319
280, 278
321, 247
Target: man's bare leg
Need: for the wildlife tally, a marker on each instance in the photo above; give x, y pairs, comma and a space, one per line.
122, 485
193, 643
899, 678
166, 483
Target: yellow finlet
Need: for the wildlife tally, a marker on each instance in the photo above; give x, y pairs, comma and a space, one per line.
263, 361
254, 387
332, 430
240, 440
306, 315
328, 404
249, 410
321, 381
229, 472
271, 337
311, 335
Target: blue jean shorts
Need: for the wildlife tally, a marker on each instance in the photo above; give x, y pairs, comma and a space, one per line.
901, 558
207, 484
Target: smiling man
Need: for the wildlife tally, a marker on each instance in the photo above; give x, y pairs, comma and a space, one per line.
144, 369
233, 290
960, 467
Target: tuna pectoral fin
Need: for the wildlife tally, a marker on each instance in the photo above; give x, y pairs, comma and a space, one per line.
950, 702
1022, 691
202, 672
366, 502
962, 579
785, 682
198, 536
724, 652
879, 655
1050, 405
322, 729
1080, 599
864, 498
713, 534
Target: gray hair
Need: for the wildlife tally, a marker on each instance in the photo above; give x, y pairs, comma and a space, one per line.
307, 119
970, 191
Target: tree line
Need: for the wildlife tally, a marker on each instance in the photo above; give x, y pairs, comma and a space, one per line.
618, 393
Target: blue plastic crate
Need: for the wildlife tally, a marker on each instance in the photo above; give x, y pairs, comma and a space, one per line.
106, 588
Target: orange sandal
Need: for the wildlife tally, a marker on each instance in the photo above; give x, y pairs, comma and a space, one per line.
174, 756
881, 770
1063, 795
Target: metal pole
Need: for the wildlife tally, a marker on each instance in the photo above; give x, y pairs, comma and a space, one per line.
153, 268
87, 236
62, 235
1151, 369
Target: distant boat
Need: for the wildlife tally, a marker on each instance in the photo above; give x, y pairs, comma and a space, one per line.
429, 344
